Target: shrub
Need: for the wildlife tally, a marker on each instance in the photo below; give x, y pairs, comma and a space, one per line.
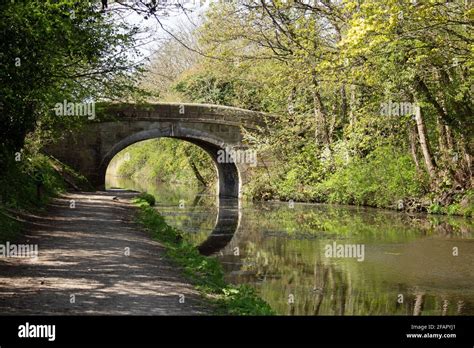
381, 179
150, 199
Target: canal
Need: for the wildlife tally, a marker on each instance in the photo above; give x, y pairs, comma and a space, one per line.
318, 259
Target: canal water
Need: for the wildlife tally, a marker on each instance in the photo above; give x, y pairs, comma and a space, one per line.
317, 259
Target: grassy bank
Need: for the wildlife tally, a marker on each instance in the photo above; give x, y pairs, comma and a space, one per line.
386, 178
204, 272
28, 185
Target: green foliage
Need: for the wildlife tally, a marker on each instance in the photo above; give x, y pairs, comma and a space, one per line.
205, 272
206, 89
435, 208
150, 199
18, 185
10, 228
467, 204
380, 179
463, 205
53, 51
165, 160
453, 209
243, 300
223, 87
29, 185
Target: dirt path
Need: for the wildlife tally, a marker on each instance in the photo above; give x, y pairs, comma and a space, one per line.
82, 253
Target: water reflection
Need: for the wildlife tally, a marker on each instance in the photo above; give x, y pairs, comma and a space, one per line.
227, 223
410, 265
227, 210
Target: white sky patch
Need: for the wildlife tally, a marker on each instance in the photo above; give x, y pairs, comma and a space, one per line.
176, 15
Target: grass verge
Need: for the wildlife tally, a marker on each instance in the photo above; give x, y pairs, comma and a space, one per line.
204, 272
28, 186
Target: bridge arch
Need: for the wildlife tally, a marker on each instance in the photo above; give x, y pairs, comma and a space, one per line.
228, 173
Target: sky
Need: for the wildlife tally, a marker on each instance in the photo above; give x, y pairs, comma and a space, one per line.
173, 19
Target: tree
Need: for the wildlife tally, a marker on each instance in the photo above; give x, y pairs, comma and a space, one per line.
326, 68
52, 51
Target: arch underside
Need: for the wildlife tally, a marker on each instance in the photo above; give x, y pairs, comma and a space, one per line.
228, 174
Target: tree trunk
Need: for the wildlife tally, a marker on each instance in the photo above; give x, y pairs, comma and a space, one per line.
197, 173
413, 146
320, 115
449, 138
344, 106
424, 144
442, 141
352, 106
419, 301
467, 159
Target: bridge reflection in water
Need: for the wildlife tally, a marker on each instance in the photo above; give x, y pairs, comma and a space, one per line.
227, 223
199, 208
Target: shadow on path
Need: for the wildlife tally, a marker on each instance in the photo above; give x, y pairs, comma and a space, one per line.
82, 252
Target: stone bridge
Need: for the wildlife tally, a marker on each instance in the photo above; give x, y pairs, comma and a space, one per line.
117, 126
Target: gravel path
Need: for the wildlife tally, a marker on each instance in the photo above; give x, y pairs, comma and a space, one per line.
82, 257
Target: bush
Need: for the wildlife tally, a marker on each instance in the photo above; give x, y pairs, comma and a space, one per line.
28, 185
18, 185
150, 199
435, 208
381, 179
